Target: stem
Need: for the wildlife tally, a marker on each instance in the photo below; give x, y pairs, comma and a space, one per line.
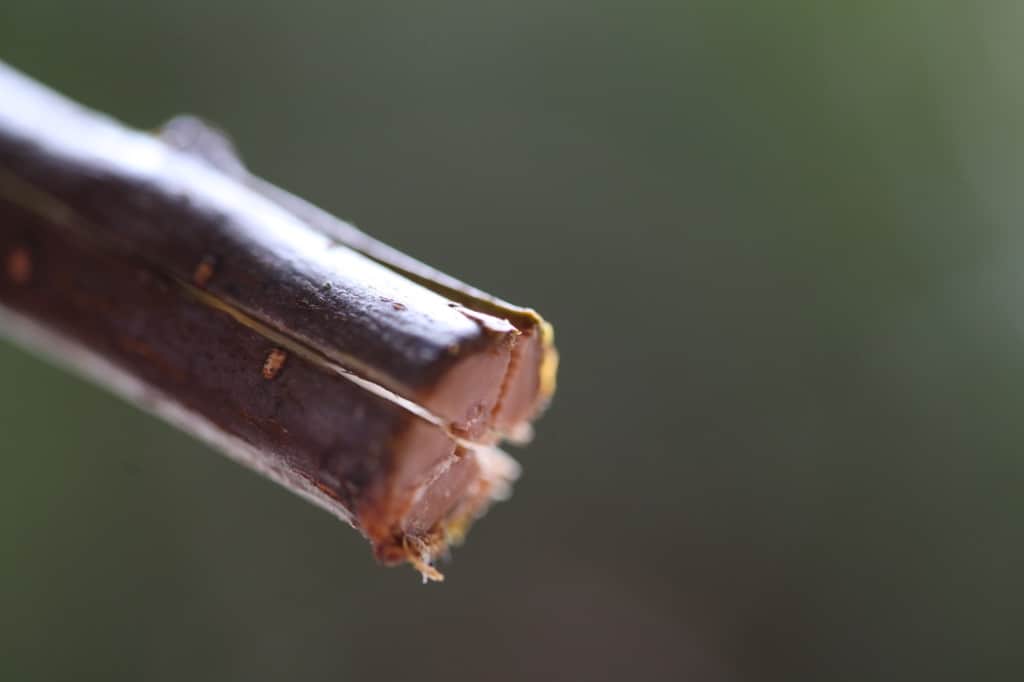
356, 377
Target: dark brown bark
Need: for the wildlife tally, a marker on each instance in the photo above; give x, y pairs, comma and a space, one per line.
531, 374
355, 376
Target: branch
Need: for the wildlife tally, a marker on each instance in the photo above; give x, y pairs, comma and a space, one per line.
348, 372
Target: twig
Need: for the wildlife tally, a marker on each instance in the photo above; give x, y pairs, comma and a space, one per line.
343, 369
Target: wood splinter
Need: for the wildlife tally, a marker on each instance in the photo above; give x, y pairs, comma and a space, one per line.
350, 373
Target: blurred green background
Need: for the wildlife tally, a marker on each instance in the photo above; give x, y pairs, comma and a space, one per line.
780, 243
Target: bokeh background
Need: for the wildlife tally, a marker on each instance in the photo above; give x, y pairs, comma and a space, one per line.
782, 246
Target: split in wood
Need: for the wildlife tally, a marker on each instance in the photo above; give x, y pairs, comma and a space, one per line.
356, 376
